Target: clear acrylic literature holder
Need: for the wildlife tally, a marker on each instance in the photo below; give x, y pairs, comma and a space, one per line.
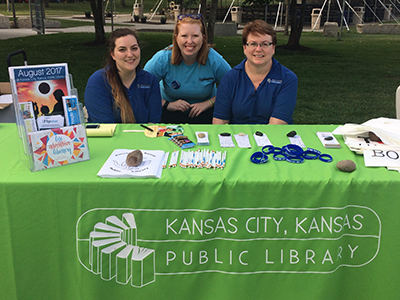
49, 117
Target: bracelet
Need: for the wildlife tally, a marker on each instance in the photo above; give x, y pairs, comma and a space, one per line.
165, 105
268, 149
295, 160
311, 154
259, 158
292, 151
325, 158
212, 103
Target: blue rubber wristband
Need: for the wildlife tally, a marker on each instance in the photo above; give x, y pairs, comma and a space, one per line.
295, 160
258, 158
276, 156
292, 150
311, 154
270, 149
328, 158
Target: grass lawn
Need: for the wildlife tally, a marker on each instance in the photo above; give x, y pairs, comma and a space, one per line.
352, 80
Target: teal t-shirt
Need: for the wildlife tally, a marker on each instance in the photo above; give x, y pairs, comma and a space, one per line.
192, 83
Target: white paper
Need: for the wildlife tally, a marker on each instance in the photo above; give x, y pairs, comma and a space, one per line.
242, 140
382, 158
116, 167
296, 140
49, 122
332, 143
226, 141
6, 99
262, 140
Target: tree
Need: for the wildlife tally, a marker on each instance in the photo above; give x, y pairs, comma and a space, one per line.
98, 15
211, 21
296, 21
296, 26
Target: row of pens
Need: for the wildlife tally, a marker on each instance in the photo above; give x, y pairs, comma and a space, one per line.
199, 159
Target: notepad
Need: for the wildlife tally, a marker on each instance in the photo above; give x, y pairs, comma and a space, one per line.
103, 130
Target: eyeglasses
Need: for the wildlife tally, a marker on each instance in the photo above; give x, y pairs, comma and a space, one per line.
262, 45
193, 16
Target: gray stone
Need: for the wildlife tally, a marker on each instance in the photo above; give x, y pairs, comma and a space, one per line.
4, 22
346, 166
331, 29
376, 28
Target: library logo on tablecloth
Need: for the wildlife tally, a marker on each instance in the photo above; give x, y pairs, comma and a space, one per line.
225, 240
112, 251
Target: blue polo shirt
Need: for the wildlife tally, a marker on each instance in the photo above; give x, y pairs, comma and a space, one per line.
238, 102
192, 83
144, 97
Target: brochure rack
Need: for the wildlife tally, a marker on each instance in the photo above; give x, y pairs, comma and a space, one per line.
49, 117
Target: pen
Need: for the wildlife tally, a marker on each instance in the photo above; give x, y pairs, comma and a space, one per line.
144, 126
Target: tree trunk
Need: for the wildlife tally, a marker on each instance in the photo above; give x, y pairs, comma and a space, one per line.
203, 10
97, 9
287, 18
211, 21
296, 25
123, 3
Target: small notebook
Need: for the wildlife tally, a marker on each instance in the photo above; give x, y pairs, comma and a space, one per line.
103, 130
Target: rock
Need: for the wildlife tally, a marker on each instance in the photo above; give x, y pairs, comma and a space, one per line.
331, 29
134, 158
291, 133
346, 166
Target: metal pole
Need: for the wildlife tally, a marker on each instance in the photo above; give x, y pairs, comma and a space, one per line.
329, 11
112, 16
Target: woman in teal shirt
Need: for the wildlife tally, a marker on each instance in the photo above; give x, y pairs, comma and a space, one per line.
188, 72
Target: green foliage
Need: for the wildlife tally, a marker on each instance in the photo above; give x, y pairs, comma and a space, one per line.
352, 80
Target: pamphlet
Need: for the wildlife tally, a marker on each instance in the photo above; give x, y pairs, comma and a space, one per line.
28, 116
116, 167
58, 147
43, 86
71, 109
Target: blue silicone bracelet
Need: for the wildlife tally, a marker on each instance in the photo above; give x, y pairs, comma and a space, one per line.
311, 154
270, 149
292, 150
258, 158
279, 156
327, 159
295, 160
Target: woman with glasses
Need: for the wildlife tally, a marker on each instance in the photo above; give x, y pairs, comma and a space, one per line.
122, 91
188, 72
259, 90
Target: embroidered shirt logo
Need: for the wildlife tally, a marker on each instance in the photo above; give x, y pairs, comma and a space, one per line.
276, 81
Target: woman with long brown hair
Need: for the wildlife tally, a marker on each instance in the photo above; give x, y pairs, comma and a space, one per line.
122, 92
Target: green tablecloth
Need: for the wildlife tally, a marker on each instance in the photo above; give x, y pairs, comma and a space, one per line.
276, 231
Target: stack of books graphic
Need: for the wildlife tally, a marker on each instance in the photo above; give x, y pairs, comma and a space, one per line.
113, 252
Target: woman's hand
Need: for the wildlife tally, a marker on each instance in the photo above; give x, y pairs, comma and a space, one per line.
179, 105
198, 108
